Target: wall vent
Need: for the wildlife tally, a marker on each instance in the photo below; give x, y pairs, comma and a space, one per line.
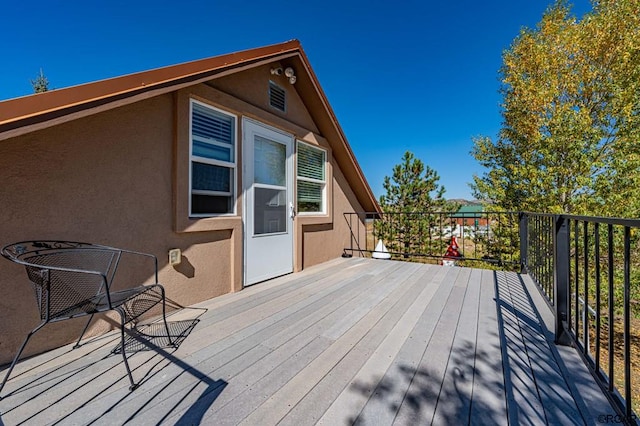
277, 98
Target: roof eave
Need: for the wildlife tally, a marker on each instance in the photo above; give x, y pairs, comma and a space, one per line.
29, 113
368, 200
35, 112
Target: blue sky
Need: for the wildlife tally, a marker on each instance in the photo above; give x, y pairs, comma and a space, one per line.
404, 75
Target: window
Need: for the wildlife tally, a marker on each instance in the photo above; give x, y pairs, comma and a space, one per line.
311, 179
213, 161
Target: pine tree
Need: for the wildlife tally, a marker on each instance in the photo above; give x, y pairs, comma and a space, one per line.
412, 197
40, 83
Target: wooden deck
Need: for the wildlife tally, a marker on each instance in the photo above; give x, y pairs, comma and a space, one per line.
352, 341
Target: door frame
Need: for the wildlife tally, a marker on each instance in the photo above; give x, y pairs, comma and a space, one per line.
251, 127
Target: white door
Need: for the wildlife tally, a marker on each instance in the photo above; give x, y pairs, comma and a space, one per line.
268, 202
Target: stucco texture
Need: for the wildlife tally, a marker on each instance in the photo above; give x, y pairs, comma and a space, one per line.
323, 242
105, 179
120, 178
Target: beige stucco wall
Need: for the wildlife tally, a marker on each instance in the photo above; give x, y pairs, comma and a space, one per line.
323, 242
105, 179
118, 178
252, 87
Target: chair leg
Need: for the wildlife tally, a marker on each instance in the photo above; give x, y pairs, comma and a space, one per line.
77, 345
15, 360
134, 385
164, 316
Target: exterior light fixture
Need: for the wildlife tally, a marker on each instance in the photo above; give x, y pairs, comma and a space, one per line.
290, 73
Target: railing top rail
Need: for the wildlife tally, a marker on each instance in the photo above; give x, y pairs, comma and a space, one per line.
438, 212
539, 214
632, 223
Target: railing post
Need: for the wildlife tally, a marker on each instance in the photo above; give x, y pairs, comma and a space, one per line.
561, 278
523, 219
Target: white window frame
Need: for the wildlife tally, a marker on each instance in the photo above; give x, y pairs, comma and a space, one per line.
305, 179
213, 162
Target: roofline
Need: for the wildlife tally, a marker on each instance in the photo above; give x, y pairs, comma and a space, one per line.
26, 114
336, 124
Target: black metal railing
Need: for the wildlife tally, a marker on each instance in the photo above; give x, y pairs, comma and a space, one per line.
490, 237
589, 270
537, 246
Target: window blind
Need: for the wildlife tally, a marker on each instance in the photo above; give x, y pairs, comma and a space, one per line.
212, 161
210, 124
309, 192
310, 162
311, 179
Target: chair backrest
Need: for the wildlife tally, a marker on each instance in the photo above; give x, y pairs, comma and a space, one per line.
67, 277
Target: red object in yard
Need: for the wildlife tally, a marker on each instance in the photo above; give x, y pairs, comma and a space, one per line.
452, 253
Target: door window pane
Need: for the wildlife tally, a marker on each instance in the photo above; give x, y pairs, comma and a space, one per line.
269, 162
270, 211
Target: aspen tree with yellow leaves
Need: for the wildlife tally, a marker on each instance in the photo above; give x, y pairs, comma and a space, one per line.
570, 140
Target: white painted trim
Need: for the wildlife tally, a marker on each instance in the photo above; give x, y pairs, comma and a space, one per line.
213, 162
251, 242
323, 182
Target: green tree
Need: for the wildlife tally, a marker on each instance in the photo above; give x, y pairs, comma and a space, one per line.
412, 196
571, 110
40, 83
570, 140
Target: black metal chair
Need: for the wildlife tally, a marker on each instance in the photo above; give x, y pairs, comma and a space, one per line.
73, 279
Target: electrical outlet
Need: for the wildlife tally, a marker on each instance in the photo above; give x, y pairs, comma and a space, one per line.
174, 257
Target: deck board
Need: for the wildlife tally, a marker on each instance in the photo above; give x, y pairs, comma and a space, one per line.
421, 398
488, 400
348, 404
351, 341
555, 397
312, 391
454, 399
385, 400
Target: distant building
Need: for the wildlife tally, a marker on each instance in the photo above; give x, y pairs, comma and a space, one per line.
471, 215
